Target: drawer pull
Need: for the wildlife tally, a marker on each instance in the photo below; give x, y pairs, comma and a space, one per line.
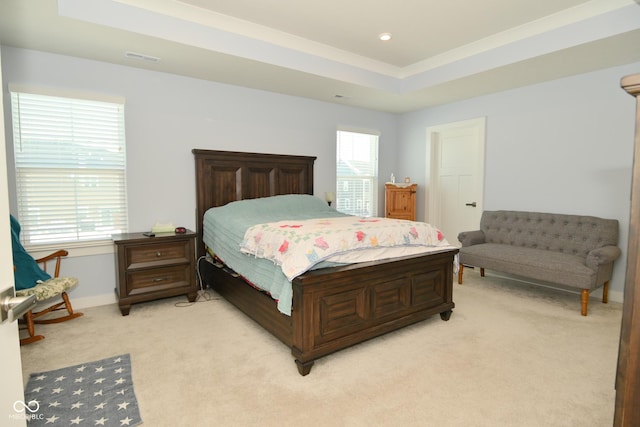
159, 279
158, 254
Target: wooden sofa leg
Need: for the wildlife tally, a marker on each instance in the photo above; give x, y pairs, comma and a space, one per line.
482, 272
460, 270
584, 297
605, 292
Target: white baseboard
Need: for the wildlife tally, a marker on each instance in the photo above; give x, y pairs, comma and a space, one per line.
110, 298
93, 301
616, 296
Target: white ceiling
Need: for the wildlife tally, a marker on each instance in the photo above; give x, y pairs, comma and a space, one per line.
441, 51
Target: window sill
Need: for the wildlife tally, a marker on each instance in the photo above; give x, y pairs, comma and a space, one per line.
76, 249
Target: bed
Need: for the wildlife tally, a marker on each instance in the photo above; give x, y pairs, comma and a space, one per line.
331, 308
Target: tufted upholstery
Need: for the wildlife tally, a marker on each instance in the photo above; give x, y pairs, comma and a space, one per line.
568, 234
570, 250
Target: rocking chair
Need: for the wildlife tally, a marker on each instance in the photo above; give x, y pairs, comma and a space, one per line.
56, 286
41, 284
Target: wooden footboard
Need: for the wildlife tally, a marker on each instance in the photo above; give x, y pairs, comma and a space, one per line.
339, 307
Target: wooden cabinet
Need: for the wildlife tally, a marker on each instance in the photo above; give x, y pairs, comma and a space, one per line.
400, 201
148, 268
627, 410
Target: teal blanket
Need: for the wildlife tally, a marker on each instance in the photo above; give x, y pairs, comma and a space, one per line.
225, 226
26, 273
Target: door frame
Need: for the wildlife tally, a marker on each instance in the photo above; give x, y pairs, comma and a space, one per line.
12, 391
432, 172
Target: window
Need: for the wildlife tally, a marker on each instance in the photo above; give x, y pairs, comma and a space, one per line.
70, 168
357, 173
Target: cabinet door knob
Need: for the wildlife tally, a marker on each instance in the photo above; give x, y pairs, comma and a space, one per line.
158, 254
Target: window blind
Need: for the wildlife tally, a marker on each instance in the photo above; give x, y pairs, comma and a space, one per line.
70, 166
357, 173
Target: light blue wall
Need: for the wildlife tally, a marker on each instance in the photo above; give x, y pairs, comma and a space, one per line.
167, 116
565, 146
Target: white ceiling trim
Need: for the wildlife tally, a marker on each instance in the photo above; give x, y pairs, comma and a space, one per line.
187, 24
184, 23
595, 27
188, 12
568, 17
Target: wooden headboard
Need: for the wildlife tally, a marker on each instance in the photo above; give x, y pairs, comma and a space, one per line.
227, 176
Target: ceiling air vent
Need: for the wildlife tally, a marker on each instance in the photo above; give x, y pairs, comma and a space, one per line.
141, 57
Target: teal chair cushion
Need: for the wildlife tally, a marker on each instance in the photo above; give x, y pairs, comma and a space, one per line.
27, 273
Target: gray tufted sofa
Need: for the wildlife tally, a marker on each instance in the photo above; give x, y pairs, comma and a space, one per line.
569, 250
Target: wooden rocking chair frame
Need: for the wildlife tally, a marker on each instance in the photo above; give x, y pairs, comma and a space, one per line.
30, 318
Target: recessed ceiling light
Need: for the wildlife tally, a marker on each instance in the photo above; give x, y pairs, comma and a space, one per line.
385, 37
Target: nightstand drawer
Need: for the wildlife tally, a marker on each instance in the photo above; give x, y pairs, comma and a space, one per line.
148, 268
156, 279
157, 254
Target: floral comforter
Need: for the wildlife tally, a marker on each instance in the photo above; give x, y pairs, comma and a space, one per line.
297, 246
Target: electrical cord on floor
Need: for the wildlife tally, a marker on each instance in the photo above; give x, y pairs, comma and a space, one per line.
203, 294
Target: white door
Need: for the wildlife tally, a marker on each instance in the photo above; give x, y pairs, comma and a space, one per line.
11, 390
456, 177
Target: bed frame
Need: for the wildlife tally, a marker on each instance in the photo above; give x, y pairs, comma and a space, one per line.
332, 308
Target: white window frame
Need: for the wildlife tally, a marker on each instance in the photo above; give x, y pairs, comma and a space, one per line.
85, 160
349, 203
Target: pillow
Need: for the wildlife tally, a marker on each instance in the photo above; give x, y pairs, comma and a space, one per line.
27, 273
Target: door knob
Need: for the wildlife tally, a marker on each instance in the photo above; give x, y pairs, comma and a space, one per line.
12, 307
472, 204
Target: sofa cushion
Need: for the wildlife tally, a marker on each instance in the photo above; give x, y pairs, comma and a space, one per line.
537, 264
568, 234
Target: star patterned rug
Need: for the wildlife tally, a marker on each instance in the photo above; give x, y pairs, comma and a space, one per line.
97, 393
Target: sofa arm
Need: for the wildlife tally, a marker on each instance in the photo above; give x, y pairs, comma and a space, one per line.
469, 238
603, 255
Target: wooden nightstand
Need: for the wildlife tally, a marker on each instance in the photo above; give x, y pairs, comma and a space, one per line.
148, 268
400, 201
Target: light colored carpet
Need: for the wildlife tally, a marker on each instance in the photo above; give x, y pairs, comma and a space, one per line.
511, 355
